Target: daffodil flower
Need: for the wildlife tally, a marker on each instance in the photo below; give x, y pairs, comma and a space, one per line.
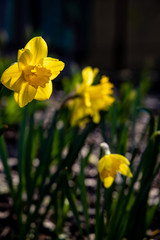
30, 77
91, 98
110, 164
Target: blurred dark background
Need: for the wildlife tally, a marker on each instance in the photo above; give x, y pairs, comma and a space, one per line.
109, 34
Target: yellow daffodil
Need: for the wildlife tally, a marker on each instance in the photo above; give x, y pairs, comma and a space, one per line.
30, 77
91, 98
110, 164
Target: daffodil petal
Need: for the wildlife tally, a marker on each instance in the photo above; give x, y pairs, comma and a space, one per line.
108, 181
12, 78
96, 117
25, 95
16, 96
54, 65
44, 93
88, 75
105, 79
108, 162
87, 99
124, 169
101, 164
38, 48
120, 158
24, 58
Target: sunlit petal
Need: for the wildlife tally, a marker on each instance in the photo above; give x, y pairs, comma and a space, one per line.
107, 162
120, 158
87, 99
26, 94
44, 93
24, 58
96, 117
11, 78
124, 169
54, 65
108, 181
16, 97
101, 164
88, 75
38, 48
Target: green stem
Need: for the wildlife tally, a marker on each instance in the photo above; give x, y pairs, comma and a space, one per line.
1, 88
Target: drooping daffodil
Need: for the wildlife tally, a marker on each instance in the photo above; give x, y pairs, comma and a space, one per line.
92, 98
110, 164
30, 77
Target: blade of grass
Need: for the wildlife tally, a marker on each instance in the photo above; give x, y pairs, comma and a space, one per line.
67, 162
77, 144
21, 150
140, 205
21, 171
4, 158
1, 88
123, 140
97, 218
98, 194
28, 156
72, 205
44, 157
84, 194
3, 128
42, 172
113, 123
117, 213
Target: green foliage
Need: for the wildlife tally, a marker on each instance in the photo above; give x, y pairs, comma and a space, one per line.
46, 157
69, 83
12, 114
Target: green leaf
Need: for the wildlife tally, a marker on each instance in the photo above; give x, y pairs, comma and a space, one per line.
4, 158
81, 181
3, 129
72, 204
